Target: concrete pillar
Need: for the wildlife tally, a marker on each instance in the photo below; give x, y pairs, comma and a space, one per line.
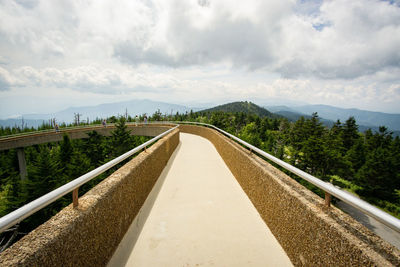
22, 163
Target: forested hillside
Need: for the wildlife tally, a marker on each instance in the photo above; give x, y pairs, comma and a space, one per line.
245, 107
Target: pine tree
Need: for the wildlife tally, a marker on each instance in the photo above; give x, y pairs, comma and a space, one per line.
356, 155
95, 149
313, 146
249, 134
378, 176
121, 140
10, 182
42, 177
297, 137
350, 133
66, 150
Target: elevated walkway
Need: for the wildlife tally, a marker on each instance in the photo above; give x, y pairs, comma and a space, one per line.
192, 222
177, 204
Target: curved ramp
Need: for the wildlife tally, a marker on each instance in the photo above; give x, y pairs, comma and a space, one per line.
200, 216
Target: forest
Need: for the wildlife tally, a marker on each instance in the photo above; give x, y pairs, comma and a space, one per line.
364, 163
52, 165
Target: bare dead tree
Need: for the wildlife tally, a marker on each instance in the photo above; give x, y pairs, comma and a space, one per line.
22, 123
77, 117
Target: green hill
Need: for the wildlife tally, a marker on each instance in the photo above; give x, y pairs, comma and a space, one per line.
245, 107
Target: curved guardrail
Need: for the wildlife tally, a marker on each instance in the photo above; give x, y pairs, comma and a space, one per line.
25, 211
30, 208
72, 128
62, 129
354, 201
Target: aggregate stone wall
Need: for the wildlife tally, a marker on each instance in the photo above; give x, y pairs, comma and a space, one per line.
88, 235
310, 233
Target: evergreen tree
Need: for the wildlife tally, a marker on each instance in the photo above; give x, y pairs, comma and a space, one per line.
121, 140
95, 148
313, 150
10, 194
378, 176
356, 155
334, 162
350, 133
249, 134
10, 182
297, 137
263, 129
66, 150
157, 116
42, 177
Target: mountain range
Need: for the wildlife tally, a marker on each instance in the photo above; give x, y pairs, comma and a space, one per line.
328, 114
366, 119
132, 107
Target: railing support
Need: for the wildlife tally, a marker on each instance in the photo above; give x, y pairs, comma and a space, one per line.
75, 198
22, 163
328, 198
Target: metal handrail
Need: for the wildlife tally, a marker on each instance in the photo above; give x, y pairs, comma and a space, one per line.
30, 208
79, 127
350, 199
50, 130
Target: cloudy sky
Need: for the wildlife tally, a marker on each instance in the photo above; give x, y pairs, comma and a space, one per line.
55, 54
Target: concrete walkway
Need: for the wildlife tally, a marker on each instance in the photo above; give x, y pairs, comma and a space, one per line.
198, 215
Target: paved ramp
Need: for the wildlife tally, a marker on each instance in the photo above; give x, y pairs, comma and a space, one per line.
198, 215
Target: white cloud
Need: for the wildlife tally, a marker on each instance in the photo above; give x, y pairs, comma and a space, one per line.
6, 80
187, 34
332, 52
96, 79
332, 39
355, 38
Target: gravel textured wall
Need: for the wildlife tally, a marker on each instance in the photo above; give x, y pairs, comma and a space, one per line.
310, 233
88, 236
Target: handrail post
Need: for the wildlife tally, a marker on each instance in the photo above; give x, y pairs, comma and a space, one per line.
328, 198
75, 198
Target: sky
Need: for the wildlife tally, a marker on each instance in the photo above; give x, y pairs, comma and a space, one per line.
57, 54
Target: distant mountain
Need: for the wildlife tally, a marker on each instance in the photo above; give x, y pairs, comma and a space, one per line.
133, 107
244, 106
328, 118
363, 117
294, 116
276, 109
19, 123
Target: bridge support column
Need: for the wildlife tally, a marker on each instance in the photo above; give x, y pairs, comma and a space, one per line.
22, 163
